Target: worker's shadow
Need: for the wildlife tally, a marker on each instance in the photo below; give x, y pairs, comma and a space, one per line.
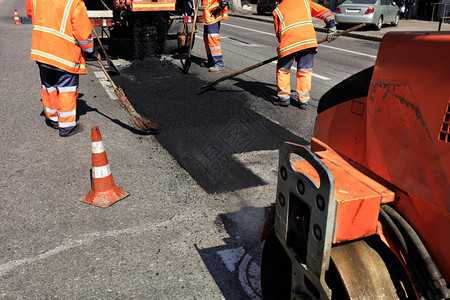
83, 108
235, 265
264, 92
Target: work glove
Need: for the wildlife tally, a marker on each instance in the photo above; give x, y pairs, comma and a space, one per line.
331, 34
216, 11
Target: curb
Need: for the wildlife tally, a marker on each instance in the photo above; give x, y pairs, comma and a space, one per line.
320, 29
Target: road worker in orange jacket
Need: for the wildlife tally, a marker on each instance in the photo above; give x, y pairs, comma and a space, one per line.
297, 38
60, 42
213, 12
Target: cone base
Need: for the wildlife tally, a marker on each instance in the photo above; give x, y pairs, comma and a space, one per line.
106, 198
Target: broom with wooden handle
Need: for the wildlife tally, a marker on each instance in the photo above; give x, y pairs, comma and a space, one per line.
210, 84
140, 122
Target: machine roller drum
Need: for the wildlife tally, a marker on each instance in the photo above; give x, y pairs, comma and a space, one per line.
357, 271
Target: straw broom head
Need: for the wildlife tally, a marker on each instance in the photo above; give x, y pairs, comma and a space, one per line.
139, 121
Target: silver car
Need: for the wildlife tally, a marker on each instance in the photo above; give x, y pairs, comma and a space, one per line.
375, 12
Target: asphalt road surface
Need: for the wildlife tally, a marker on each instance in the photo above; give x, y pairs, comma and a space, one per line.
190, 227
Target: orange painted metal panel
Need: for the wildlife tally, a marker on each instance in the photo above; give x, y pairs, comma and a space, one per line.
162, 5
358, 196
348, 134
408, 103
356, 219
340, 163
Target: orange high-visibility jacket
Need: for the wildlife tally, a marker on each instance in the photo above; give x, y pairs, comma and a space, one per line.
210, 5
293, 25
61, 33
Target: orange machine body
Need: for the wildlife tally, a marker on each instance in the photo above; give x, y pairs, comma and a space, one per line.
393, 145
159, 5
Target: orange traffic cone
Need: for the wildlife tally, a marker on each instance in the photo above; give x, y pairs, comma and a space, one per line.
104, 191
16, 18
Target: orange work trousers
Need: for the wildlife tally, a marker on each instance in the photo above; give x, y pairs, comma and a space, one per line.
305, 59
211, 38
59, 92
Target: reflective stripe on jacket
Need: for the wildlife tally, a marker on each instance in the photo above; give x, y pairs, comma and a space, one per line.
208, 6
293, 25
61, 33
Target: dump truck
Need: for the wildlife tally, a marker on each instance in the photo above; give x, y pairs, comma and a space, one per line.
143, 27
364, 212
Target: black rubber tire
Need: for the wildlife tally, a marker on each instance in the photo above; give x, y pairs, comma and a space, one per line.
379, 23
275, 270
396, 21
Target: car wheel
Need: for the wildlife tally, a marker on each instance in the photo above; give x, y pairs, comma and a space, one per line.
379, 23
396, 20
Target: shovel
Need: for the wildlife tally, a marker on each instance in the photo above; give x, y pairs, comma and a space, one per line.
187, 63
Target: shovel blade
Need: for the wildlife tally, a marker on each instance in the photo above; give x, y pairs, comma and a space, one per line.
112, 67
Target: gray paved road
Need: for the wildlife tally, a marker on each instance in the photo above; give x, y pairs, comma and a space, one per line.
190, 227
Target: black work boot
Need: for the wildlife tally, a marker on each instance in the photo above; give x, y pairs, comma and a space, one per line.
278, 102
79, 128
302, 105
51, 123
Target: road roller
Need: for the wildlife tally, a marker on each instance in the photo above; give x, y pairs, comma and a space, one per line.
363, 212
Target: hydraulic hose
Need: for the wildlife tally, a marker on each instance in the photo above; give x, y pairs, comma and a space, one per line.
395, 229
430, 266
416, 280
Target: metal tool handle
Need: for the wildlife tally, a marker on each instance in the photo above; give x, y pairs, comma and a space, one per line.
193, 29
100, 43
273, 59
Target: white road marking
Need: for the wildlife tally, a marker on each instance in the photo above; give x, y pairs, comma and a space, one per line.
82, 240
325, 46
249, 29
231, 257
106, 84
233, 41
320, 76
348, 51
